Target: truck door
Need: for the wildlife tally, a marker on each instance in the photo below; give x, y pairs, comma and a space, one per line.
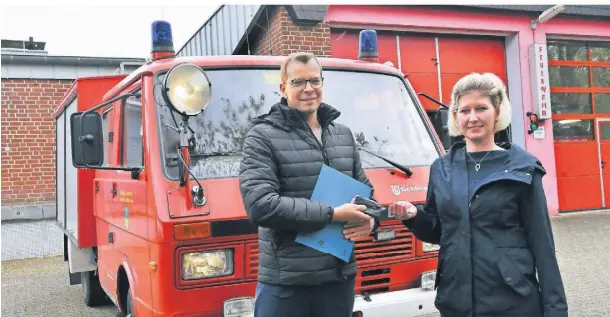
129, 201
123, 224
106, 255
130, 215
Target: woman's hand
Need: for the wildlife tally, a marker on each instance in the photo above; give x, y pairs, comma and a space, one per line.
353, 231
402, 210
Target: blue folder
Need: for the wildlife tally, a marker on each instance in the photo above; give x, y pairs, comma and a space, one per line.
335, 189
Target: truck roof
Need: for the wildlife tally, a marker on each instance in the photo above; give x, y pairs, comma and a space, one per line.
72, 90
242, 60
216, 61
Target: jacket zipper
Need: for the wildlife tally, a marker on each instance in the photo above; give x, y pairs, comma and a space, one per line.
471, 264
474, 195
321, 146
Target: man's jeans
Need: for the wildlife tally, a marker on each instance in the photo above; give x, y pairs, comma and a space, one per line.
327, 300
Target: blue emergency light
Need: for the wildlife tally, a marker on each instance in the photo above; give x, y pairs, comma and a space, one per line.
367, 44
162, 37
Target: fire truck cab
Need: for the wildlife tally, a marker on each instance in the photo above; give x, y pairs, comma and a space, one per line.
147, 181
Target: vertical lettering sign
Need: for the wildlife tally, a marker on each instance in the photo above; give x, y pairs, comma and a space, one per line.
539, 70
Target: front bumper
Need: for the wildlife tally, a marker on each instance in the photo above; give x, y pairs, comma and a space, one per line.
406, 303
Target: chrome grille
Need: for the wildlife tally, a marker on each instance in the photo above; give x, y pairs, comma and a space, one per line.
370, 252
252, 260
376, 280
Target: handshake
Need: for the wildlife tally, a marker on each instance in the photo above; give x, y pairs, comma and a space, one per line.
360, 213
362, 209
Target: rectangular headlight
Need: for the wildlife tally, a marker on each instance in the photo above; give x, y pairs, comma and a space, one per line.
428, 280
429, 247
239, 307
200, 265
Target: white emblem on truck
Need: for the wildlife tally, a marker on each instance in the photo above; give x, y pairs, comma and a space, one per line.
398, 189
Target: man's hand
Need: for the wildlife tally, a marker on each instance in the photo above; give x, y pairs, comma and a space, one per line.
402, 210
350, 213
353, 231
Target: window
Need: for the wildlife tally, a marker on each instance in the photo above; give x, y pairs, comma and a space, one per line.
580, 87
567, 51
568, 76
602, 103
377, 107
600, 52
604, 131
571, 102
601, 77
133, 154
573, 130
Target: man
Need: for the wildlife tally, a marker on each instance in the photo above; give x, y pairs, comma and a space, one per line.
282, 157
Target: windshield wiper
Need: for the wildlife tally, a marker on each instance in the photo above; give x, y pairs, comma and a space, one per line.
172, 158
434, 100
215, 154
401, 167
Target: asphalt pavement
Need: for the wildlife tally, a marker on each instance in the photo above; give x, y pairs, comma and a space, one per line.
23, 239
39, 287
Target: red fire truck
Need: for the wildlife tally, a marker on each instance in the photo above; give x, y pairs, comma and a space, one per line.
147, 181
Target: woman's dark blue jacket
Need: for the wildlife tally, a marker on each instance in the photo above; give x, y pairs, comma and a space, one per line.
492, 243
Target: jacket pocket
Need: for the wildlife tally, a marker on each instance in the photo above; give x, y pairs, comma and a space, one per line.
279, 238
446, 284
512, 275
284, 239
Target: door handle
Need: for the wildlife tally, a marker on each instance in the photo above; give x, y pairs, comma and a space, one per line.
603, 162
113, 190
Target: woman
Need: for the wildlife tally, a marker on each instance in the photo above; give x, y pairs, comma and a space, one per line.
486, 208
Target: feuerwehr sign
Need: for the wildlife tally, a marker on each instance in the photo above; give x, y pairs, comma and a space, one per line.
539, 70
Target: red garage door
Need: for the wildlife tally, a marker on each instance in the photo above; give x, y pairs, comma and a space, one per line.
579, 73
433, 63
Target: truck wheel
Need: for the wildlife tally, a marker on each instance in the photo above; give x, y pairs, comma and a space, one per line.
129, 306
92, 291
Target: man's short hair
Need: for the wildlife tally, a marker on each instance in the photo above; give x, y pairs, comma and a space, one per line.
302, 57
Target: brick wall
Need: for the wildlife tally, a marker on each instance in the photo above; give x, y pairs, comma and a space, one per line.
28, 140
283, 37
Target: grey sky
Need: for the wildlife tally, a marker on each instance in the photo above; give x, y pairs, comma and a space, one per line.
101, 31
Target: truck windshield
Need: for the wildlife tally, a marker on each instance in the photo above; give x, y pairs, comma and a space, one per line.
376, 107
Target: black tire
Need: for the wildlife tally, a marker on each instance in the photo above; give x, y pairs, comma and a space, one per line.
93, 294
129, 305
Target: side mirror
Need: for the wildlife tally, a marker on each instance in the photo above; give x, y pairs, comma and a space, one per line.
87, 148
439, 121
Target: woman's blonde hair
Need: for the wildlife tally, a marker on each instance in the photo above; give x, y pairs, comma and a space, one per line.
487, 84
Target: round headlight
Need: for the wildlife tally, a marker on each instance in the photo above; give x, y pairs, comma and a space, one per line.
187, 89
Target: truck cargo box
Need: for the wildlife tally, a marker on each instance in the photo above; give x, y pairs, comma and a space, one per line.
74, 187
